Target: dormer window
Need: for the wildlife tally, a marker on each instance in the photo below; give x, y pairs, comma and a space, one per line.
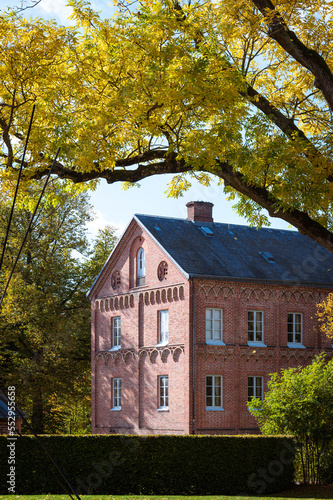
141, 268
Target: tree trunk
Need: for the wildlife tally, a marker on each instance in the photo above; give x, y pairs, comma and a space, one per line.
38, 412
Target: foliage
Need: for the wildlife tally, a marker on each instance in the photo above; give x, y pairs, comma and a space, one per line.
325, 315
299, 402
238, 90
160, 465
45, 317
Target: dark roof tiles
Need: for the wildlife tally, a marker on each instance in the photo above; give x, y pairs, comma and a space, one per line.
238, 252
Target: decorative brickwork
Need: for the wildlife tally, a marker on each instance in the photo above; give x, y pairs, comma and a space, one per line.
188, 360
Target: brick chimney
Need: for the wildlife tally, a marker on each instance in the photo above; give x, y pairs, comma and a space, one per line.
200, 211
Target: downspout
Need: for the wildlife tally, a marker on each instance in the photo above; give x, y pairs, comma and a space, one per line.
193, 358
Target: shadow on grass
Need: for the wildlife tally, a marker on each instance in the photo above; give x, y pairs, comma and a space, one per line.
308, 492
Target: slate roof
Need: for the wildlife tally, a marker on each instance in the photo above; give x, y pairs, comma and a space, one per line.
240, 252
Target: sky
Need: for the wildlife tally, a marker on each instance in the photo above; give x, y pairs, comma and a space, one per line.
114, 206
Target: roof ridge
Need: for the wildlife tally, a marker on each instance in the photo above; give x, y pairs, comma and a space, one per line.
200, 223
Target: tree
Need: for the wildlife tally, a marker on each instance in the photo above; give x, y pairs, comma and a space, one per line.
238, 90
299, 402
325, 315
45, 318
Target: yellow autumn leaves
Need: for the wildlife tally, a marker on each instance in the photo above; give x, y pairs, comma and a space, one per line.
172, 77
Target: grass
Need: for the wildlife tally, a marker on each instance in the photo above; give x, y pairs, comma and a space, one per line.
309, 492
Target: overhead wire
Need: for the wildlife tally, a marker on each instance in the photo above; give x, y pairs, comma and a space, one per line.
28, 229
16, 189
6, 288
65, 488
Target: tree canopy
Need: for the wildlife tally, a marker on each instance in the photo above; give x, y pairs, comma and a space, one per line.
239, 90
45, 316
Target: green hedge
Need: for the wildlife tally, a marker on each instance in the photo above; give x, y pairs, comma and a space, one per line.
173, 465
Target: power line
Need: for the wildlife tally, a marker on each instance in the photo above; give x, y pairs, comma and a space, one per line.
17, 186
29, 226
19, 412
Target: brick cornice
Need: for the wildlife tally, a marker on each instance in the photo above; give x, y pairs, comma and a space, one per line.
132, 354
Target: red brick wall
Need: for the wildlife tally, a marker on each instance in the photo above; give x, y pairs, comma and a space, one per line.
200, 211
140, 361
237, 360
4, 425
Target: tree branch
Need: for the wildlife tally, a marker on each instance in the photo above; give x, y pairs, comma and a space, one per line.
168, 165
263, 197
286, 125
287, 39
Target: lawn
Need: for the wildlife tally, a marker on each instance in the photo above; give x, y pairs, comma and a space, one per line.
309, 492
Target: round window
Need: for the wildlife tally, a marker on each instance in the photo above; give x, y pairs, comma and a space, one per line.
162, 270
115, 280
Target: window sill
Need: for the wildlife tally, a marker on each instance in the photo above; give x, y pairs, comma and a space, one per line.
294, 345
162, 344
166, 408
214, 342
116, 348
256, 344
116, 408
209, 408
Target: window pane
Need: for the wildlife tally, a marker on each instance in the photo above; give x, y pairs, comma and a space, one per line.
214, 324
209, 391
258, 317
217, 392
217, 314
254, 388
164, 326
141, 262
117, 392
214, 391
294, 330
116, 327
163, 391
258, 387
250, 388
255, 326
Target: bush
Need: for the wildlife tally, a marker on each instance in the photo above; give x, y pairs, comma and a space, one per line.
173, 465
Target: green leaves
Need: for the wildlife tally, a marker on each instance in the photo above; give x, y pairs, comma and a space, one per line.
299, 402
45, 318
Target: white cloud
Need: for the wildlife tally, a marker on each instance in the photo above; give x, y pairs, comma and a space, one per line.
51, 9
101, 221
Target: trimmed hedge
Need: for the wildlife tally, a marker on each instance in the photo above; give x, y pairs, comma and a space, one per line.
173, 465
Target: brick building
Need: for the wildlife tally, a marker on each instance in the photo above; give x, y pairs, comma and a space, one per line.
189, 318
10, 416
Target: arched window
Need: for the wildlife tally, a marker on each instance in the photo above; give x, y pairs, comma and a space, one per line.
141, 267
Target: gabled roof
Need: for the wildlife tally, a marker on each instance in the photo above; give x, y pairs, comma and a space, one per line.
229, 251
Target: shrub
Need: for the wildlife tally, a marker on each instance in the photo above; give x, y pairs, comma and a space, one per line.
174, 465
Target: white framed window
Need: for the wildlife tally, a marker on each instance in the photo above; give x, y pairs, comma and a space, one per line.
163, 392
116, 332
214, 392
116, 393
255, 327
294, 329
255, 387
214, 326
163, 326
141, 263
